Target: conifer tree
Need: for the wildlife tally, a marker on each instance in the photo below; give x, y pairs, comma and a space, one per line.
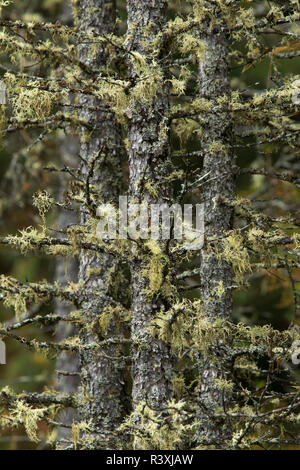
172, 104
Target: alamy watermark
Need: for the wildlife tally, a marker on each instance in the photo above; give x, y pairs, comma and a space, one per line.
147, 221
2, 92
2, 352
296, 352
296, 93
152, 221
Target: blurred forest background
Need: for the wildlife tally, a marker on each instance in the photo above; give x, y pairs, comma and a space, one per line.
270, 295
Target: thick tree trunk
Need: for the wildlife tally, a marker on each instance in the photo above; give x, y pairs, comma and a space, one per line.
218, 164
149, 164
102, 376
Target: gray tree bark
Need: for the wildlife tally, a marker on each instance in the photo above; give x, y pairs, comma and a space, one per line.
67, 362
102, 377
214, 83
149, 164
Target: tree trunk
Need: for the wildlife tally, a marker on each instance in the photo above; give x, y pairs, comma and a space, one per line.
102, 376
218, 165
67, 362
149, 165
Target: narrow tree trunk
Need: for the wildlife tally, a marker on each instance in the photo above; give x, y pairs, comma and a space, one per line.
149, 164
102, 376
67, 362
218, 164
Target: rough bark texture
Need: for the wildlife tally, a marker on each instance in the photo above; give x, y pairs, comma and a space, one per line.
102, 377
149, 165
213, 84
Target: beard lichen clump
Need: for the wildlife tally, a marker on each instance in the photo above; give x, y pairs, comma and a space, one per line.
32, 103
